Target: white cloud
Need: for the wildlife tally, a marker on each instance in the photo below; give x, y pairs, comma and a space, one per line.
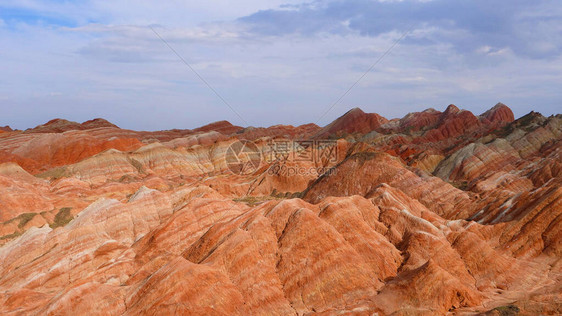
492, 51
112, 65
143, 12
484, 49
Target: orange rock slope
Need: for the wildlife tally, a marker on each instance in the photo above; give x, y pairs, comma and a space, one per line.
436, 213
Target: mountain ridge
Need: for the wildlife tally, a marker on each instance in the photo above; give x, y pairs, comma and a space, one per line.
434, 213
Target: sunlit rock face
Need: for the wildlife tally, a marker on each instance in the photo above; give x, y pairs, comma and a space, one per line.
435, 213
354, 121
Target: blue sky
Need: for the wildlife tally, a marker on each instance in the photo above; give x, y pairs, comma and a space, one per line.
280, 61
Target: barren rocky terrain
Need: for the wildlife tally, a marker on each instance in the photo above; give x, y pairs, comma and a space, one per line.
435, 213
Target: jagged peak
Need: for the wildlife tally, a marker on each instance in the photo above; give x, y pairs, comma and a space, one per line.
430, 110
498, 105
59, 125
59, 121
531, 118
98, 122
224, 127
221, 122
359, 113
355, 110
353, 121
498, 113
452, 109
56, 125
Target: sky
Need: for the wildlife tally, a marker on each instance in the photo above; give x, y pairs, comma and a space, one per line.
273, 62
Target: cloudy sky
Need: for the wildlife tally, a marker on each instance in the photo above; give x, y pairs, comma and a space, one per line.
275, 61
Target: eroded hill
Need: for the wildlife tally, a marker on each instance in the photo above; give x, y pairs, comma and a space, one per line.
435, 213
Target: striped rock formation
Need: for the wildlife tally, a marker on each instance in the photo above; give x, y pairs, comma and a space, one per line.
436, 213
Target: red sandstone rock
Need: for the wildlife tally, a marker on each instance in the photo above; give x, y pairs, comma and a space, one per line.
223, 127
452, 123
354, 121
416, 121
61, 125
499, 113
435, 213
283, 131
